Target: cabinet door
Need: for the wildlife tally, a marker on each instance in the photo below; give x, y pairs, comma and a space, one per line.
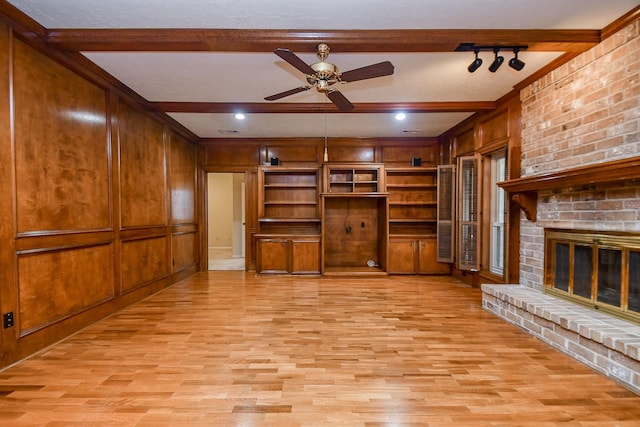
305, 256
402, 257
428, 258
271, 256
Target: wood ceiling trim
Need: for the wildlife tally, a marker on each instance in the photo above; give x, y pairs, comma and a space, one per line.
617, 25
20, 22
299, 107
243, 40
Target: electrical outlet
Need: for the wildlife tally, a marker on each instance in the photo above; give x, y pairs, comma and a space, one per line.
7, 319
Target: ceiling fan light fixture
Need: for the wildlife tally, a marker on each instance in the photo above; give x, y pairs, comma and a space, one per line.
475, 64
400, 116
516, 63
239, 116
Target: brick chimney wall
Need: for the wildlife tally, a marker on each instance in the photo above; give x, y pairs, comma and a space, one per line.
585, 112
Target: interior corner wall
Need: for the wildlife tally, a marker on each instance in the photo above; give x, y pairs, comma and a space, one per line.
585, 112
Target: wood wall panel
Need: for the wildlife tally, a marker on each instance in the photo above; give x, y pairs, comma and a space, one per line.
143, 261
353, 154
464, 143
231, 155
401, 155
294, 154
184, 250
7, 265
61, 146
142, 169
354, 248
496, 128
183, 181
57, 284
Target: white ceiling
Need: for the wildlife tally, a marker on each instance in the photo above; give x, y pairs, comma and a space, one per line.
247, 77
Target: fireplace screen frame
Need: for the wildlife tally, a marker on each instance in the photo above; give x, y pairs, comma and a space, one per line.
593, 269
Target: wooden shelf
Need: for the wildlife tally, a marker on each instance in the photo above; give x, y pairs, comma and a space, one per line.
356, 194
412, 198
291, 220
289, 202
412, 220
288, 186
412, 186
524, 191
345, 178
414, 203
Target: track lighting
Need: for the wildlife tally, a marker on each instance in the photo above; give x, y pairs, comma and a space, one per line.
497, 62
514, 62
476, 63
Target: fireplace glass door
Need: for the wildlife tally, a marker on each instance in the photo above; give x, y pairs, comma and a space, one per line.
595, 269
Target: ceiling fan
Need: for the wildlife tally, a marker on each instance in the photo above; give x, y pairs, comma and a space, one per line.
324, 75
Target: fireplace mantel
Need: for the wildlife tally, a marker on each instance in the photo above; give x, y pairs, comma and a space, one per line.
524, 191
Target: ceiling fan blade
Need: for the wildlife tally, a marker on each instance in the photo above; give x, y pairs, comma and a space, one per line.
369, 72
287, 93
340, 101
294, 60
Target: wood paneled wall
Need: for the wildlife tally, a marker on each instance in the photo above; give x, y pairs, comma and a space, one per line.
485, 133
99, 200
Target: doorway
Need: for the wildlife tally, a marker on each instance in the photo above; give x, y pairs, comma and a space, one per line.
225, 221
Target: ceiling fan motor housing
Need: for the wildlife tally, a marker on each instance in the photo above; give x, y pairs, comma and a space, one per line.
326, 74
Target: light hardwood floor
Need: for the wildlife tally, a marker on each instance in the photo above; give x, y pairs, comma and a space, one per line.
227, 348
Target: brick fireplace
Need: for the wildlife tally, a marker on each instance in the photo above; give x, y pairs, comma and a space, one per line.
580, 169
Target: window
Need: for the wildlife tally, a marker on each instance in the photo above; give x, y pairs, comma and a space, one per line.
467, 214
596, 269
498, 212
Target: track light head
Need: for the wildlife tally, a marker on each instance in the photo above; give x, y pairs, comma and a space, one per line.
514, 62
475, 64
497, 62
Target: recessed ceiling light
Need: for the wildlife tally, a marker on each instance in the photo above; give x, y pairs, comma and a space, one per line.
240, 116
401, 116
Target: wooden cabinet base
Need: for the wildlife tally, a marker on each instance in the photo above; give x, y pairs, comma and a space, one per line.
288, 254
415, 256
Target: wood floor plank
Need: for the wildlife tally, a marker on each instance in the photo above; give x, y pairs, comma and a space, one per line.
227, 348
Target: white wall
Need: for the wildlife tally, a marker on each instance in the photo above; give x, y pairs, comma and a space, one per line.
220, 218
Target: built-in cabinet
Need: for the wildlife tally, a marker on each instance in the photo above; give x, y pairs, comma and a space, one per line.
354, 220
347, 219
289, 220
353, 178
288, 254
413, 221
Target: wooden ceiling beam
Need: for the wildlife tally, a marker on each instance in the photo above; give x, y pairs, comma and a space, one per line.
243, 40
301, 108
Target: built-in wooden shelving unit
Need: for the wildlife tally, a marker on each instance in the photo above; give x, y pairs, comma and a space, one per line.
354, 219
413, 220
289, 216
